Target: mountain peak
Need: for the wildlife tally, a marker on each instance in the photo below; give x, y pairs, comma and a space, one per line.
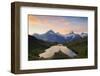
71, 32
83, 34
51, 32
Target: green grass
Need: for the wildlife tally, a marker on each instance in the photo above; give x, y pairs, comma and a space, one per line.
80, 47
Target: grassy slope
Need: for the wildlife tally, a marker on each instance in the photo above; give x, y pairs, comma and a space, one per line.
80, 47
37, 46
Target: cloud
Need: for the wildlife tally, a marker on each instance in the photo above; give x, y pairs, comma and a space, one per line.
56, 23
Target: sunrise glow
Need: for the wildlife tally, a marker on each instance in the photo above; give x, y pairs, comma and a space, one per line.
62, 24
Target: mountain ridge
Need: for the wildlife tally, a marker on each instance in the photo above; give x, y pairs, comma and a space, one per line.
51, 36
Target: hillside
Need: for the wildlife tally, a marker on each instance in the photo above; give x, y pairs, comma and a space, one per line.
80, 46
36, 46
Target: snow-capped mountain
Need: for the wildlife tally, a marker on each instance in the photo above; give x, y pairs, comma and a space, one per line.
83, 35
72, 37
51, 36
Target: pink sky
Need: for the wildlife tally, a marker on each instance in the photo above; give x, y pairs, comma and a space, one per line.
62, 24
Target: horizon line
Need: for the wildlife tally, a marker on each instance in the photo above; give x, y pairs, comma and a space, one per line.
59, 32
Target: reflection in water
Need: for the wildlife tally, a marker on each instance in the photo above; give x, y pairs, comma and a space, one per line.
50, 52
